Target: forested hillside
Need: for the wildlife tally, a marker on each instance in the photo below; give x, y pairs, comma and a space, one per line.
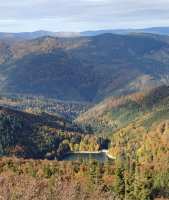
43, 136
142, 161
140, 171
143, 108
84, 68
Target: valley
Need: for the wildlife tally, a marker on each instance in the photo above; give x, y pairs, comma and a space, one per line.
39, 146
84, 100
87, 115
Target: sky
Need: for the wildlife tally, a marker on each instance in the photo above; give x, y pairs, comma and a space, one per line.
81, 15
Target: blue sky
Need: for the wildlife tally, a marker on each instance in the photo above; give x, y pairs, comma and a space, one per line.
80, 15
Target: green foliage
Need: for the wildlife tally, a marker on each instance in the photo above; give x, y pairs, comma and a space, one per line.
119, 186
43, 136
48, 172
10, 133
144, 161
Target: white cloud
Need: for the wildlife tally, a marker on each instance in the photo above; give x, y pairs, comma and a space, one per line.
60, 15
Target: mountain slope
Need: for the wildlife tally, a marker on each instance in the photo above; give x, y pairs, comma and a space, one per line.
44, 136
34, 136
86, 68
138, 108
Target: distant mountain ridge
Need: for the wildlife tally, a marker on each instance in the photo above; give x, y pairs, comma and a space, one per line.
35, 34
84, 68
40, 33
153, 30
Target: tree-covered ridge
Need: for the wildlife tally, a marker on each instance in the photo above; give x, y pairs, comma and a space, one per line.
43, 136
84, 68
117, 112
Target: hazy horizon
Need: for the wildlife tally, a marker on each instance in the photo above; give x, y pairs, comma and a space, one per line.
103, 29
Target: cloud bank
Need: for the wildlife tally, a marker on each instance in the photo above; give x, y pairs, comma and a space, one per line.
80, 15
